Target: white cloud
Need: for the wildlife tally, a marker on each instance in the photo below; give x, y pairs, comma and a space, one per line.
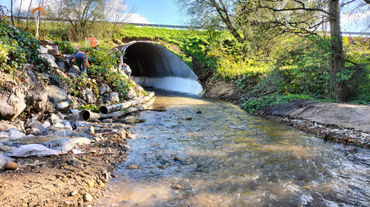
135, 18
349, 18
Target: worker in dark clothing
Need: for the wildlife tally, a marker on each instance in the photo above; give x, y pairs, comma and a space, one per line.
119, 58
81, 60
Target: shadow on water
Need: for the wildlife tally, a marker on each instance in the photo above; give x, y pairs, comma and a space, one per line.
211, 153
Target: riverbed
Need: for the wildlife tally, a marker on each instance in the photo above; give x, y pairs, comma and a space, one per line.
196, 152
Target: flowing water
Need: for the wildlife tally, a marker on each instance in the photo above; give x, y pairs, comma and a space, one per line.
211, 153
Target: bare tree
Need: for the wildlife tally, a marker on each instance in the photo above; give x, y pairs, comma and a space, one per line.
11, 11
19, 10
28, 13
117, 11
82, 13
37, 18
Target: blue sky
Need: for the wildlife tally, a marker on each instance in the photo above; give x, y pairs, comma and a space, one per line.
168, 12
158, 11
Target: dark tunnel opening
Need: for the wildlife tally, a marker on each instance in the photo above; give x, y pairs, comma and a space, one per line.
155, 66
148, 59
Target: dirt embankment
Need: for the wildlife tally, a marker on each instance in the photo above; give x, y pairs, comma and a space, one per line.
343, 123
338, 122
69, 179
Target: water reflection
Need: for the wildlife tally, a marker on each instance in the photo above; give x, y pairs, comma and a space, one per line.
214, 154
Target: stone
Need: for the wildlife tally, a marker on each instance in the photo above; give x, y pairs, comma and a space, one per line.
92, 130
12, 102
75, 163
104, 89
114, 97
88, 96
56, 94
122, 133
73, 193
42, 50
176, 186
60, 132
132, 120
7, 125
61, 65
67, 124
74, 69
38, 100
31, 78
10, 165
54, 118
62, 105
56, 49
50, 59
31, 150
131, 94
67, 144
88, 197
132, 167
15, 134
34, 124
3, 160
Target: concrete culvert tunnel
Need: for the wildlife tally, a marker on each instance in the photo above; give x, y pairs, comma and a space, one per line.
155, 66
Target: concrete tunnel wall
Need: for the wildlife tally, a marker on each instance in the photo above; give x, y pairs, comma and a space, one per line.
155, 66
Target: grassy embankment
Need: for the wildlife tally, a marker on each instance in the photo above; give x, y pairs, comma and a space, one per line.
287, 68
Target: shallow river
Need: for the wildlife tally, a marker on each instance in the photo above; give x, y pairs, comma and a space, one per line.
211, 153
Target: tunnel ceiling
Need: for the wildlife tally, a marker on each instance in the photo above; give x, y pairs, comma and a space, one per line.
148, 59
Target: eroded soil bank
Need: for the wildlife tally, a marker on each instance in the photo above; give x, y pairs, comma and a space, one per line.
70, 179
338, 122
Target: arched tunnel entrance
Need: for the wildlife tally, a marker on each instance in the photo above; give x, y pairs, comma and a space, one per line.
155, 66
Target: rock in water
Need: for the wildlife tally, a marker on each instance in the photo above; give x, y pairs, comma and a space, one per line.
10, 165
132, 167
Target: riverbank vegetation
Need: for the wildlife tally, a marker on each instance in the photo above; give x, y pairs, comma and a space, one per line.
267, 62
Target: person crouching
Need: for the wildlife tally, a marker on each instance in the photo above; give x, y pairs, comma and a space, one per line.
81, 60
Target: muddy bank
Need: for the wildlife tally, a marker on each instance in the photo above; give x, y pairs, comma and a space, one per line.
69, 179
338, 122
342, 123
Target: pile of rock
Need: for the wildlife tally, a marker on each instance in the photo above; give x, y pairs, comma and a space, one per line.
43, 120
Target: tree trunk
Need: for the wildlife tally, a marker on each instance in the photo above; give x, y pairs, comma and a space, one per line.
19, 11
28, 14
337, 58
11, 11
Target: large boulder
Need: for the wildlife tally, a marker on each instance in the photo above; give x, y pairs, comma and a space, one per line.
56, 94
12, 102
38, 99
50, 59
